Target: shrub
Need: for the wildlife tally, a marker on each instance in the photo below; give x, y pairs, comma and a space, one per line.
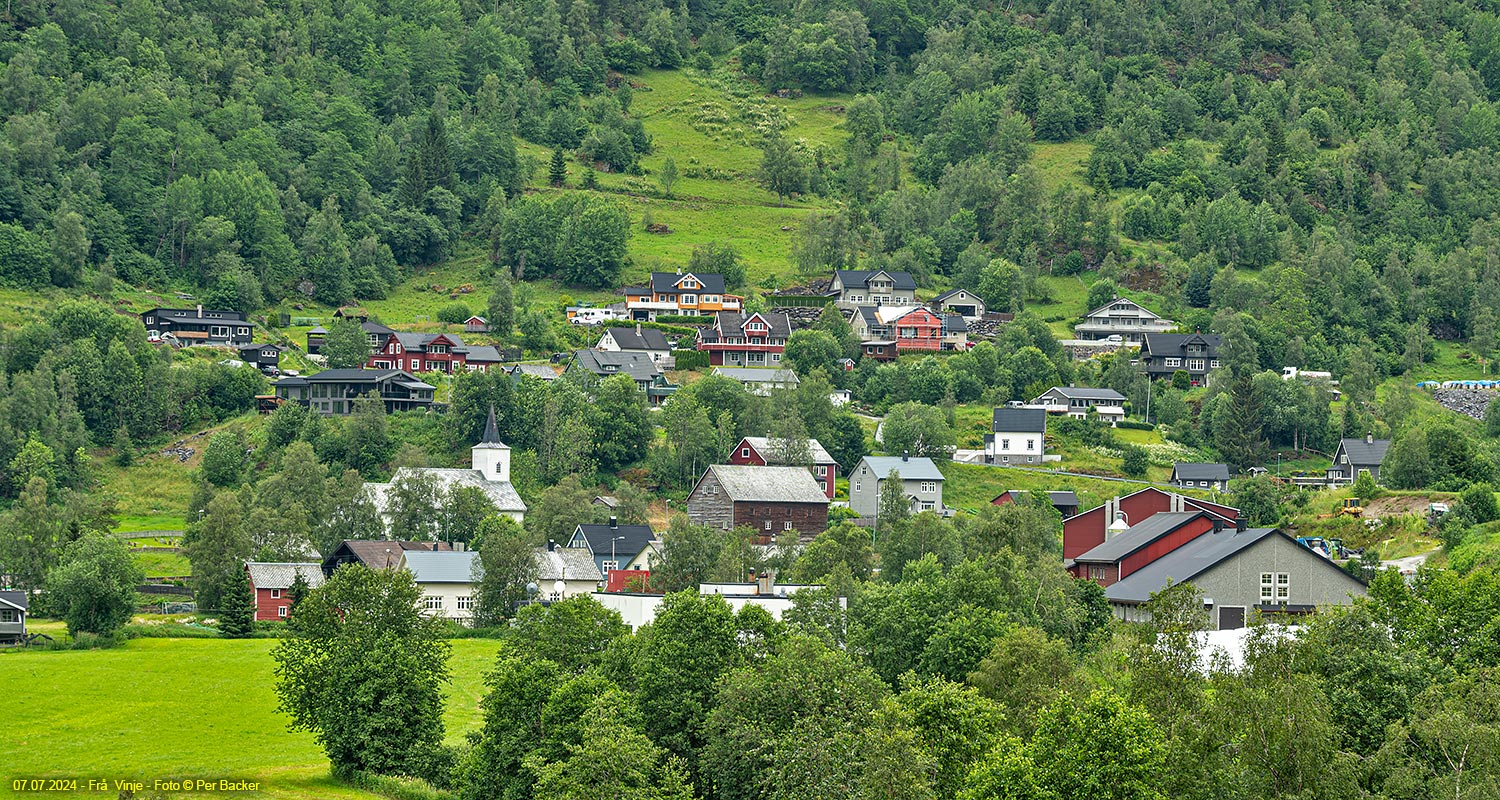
454, 313
1130, 424
690, 359
1135, 460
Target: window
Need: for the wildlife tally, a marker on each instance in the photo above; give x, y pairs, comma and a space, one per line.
744, 452
690, 300
1030, 445
217, 331
822, 471
611, 565
1283, 586
275, 594
432, 603
927, 505
1096, 573
1275, 587
281, 611
928, 487
1195, 365
1267, 581
1344, 459
8, 615
856, 486
1004, 444
1174, 362
1213, 364
466, 603
768, 524
786, 526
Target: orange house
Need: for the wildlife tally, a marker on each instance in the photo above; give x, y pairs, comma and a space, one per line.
681, 293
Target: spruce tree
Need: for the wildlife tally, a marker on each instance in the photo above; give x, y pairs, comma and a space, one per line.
237, 617
557, 173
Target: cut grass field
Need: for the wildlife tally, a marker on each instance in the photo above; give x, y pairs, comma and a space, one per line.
169, 708
971, 487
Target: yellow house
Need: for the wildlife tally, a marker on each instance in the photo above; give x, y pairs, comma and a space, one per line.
681, 293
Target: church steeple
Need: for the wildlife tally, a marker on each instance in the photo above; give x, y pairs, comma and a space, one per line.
490, 456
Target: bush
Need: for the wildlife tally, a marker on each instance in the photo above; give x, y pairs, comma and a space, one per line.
1130, 424
1365, 488
1135, 461
454, 313
690, 359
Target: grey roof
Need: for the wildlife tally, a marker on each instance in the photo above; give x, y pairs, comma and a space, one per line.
1194, 471
768, 484
355, 375
1172, 344
1361, 452
1086, 393
443, 567
501, 493
1020, 420
758, 374
667, 282
732, 323
483, 353
916, 469
566, 564
491, 433
953, 323
604, 364
1055, 498
599, 537
317, 329
260, 346
542, 371
1139, 535
16, 600
644, 339
762, 445
1118, 299
861, 277
281, 575
1189, 561
951, 292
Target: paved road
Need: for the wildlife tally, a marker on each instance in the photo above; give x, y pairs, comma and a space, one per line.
1408, 565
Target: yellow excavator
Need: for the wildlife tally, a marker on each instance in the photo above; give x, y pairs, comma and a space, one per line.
1352, 506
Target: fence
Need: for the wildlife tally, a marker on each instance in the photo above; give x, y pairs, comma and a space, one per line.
796, 301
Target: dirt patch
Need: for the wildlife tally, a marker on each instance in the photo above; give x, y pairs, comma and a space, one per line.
1397, 504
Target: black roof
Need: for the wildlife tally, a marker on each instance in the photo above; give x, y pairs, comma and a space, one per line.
14, 600
191, 314
732, 323
637, 538
1020, 420
352, 375
667, 282
861, 277
1173, 344
1085, 393
1193, 471
951, 292
643, 339
1147, 531
605, 363
1364, 452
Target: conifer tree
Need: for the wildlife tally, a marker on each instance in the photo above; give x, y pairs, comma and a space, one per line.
237, 617
557, 173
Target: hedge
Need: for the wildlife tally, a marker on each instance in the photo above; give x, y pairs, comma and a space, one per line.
674, 329
1133, 425
685, 319
690, 359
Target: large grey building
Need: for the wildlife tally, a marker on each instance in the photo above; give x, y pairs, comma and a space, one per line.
921, 483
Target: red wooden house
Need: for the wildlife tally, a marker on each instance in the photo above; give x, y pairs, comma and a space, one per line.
1087, 530
272, 582
760, 451
745, 340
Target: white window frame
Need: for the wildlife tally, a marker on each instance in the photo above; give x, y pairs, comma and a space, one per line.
928, 487
432, 602
465, 603
1174, 362
281, 611
8, 616
744, 452
275, 594
787, 525
610, 566
768, 524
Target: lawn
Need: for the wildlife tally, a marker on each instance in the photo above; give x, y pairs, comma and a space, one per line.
168, 708
970, 487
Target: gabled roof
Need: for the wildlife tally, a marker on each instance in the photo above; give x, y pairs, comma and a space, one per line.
281, 575
542, 371
1194, 471
443, 567
669, 281
954, 323
1020, 420
15, 600
638, 339
1069, 499
731, 323
1172, 344
1197, 557
373, 552
637, 365
355, 375
1117, 300
1147, 531
763, 445
637, 538
502, 493
191, 314
1361, 452
912, 469
566, 564
482, 354
954, 292
261, 346
757, 374
861, 277
767, 484
1086, 393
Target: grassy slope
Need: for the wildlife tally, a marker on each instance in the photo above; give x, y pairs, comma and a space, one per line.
970, 487
160, 708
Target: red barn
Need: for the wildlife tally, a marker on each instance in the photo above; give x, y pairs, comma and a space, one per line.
271, 582
1128, 550
760, 451
1087, 530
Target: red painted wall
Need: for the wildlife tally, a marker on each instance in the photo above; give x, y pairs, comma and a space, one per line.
1086, 530
1164, 545
755, 459
266, 605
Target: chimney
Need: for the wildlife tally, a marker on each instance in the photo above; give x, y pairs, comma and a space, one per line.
200, 311
458, 547
1369, 438
614, 522
551, 545
1239, 525
765, 583
905, 455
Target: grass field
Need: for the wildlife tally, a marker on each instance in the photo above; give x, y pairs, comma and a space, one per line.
168, 708
970, 487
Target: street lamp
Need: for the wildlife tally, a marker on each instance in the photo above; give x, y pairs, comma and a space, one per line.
612, 558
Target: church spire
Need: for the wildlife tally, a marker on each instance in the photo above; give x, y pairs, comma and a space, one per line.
491, 432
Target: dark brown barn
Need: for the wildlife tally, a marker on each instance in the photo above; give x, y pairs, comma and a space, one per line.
770, 500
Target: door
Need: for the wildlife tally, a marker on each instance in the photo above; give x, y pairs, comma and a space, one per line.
1231, 618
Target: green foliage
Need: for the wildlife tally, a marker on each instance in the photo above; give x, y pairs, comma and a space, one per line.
346, 346
237, 618
93, 585
1135, 461
577, 238
362, 670
918, 430
223, 459
508, 564
453, 313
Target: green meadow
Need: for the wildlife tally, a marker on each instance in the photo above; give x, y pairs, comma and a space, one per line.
174, 708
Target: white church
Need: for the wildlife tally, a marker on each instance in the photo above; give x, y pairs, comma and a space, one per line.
489, 471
